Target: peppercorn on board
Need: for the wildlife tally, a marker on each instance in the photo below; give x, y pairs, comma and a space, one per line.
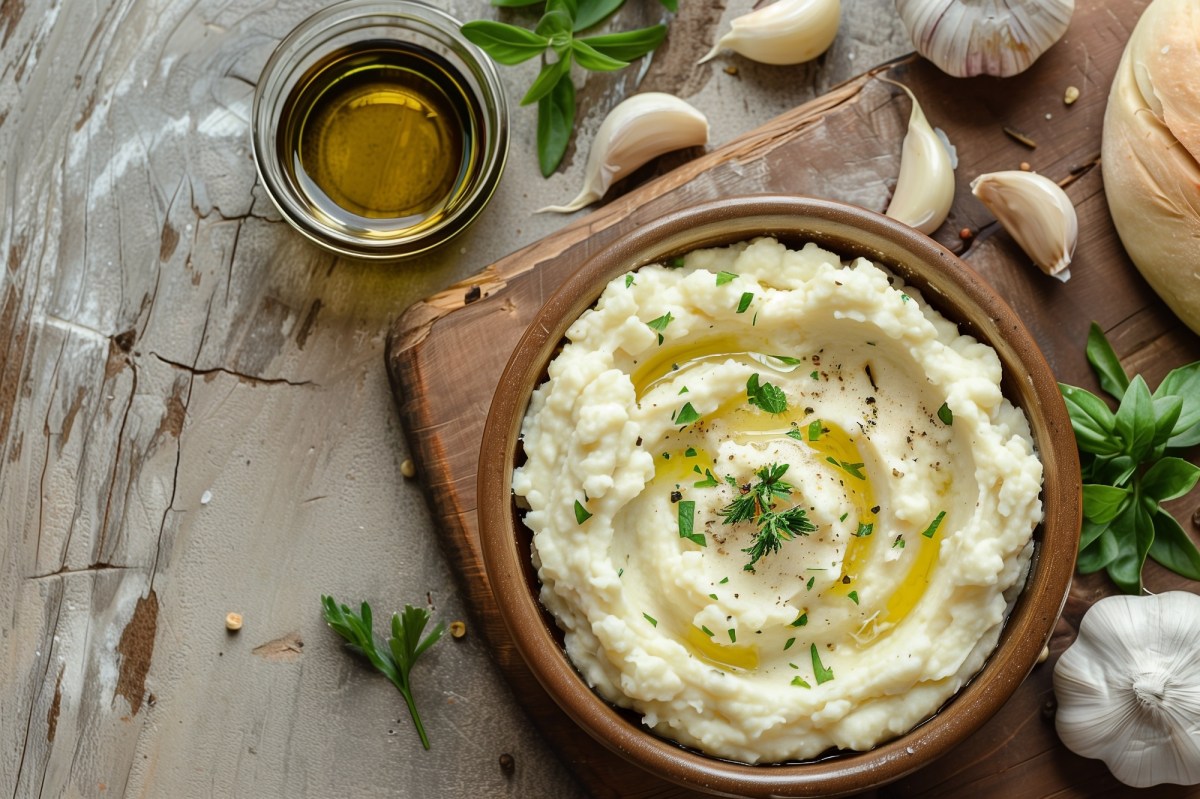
844, 145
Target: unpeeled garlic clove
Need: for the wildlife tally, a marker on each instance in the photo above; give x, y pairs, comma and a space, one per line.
925, 188
639, 128
984, 37
785, 32
1036, 212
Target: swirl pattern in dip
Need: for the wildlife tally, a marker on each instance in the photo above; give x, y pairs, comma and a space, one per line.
918, 475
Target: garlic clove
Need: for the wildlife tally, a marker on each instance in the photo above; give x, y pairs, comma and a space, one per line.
785, 32
639, 128
1036, 212
1128, 688
984, 37
925, 188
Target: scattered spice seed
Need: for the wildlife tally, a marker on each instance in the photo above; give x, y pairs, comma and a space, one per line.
233, 622
408, 469
1071, 95
1025, 167
507, 763
731, 70
1019, 137
458, 629
965, 233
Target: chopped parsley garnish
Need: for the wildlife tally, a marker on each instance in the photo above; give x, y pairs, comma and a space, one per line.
683, 390
811, 580
814, 374
796, 434
934, 525
687, 517
706, 631
732, 635
798, 680
729, 478
801, 620
853, 596
822, 674
714, 597
898, 543
629, 280
854, 469
789, 643
787, 360
708, 482
660, 324
945, 414
842, 518
864, 530
687, 414
725, 277
581, 513
620, 573
765, 395
744, 302
757, 503
814, 430
690, 452
674, 263
723, 581
666, 456
653, 621
905, 298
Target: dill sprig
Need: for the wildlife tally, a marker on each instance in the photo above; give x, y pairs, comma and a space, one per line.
757, 503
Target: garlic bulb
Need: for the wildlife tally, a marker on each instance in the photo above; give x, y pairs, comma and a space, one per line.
785, 32
1128, 689
1150, 153
639, 128
925, 188
1036, 212
984, 37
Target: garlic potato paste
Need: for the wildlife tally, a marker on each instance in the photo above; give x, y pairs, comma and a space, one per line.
776, 500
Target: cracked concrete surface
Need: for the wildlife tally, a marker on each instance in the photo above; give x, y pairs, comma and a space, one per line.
157, 469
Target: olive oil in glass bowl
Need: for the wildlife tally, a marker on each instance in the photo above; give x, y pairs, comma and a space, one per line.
379, 132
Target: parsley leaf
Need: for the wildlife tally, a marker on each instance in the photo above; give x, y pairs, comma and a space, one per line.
765, 395
581, 513
945, 414
660, 324
396, 660
687, 521
726, 277
687, 414
822, 674
934, 525
744, 302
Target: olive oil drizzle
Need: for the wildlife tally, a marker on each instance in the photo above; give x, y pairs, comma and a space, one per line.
688, 462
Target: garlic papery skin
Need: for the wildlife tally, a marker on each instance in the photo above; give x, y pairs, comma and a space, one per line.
785, 32
925, 188
1036, 212
984, 37
639, 128
1128, 689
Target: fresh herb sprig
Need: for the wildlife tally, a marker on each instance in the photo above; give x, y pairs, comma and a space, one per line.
396, 657
554, 35
757, 504
1128, 468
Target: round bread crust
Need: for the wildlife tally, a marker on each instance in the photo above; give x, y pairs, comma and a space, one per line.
1151, 153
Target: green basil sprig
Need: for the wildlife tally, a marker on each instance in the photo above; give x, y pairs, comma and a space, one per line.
1128, 468
554, 35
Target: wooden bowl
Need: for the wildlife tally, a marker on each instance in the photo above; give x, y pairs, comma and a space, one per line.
960, 295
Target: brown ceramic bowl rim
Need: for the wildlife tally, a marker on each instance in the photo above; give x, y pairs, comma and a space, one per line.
944, 280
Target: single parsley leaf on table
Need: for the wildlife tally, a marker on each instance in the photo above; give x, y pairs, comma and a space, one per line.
394, 658
1129, 468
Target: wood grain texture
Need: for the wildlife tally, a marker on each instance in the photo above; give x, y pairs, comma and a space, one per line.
844, 145
195, 417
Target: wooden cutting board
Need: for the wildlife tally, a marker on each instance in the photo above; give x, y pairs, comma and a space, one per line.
446, 353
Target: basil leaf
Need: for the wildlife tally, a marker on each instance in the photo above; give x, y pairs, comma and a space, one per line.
507, 44
1173, 548
592, 11
670, 5
1166, 414
1099, 554
1168, 479
556, 26
568, 7
556, 118
1137, 534
592, 59
1104, 361
628, 45
1102, 503
1089, 533
1135, 420
1184, 382
1091, 420
1115, 471
548, 79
